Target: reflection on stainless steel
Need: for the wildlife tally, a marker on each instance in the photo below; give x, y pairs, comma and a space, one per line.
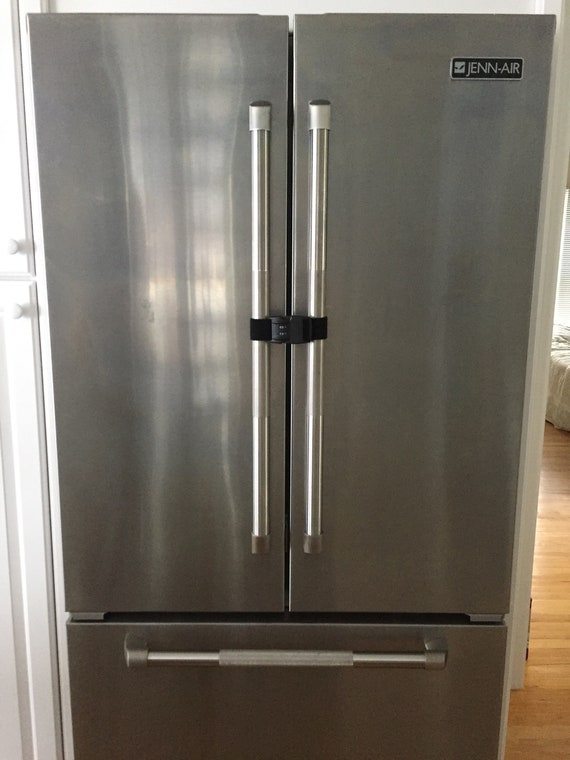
260, 125
183, 268
319, 126
144, 150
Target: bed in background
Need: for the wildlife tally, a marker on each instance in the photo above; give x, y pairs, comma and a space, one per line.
558, 404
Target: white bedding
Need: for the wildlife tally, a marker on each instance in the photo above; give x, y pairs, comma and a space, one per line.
558, 405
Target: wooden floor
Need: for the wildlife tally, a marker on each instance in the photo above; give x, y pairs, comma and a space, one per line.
539, 721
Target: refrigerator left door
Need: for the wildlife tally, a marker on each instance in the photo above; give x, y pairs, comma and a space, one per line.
143, 134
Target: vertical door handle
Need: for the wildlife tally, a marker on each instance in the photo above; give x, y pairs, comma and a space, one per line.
319, 127
260, 125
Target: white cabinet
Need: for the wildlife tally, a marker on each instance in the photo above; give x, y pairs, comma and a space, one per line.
25, 573
10, 736
15, 242
29, 720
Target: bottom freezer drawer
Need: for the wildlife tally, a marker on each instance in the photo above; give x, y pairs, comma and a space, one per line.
272, 691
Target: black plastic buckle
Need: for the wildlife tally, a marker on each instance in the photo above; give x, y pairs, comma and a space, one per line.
288, 329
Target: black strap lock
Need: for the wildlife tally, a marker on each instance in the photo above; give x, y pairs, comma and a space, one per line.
289, 329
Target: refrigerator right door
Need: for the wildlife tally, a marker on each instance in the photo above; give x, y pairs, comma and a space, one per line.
429, 177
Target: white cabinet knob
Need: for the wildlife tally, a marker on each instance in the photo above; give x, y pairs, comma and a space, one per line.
13, 310
13, 247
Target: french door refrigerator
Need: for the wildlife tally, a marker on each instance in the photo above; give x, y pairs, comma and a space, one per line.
289, 284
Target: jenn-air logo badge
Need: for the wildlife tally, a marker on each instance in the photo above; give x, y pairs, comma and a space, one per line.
486, 68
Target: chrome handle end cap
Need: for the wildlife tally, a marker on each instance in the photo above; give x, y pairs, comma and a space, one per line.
136, 651
313, 544
319, 114
260, 544
260, 116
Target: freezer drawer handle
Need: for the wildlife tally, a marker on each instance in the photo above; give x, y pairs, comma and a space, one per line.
260, 126
319, 127
289, 329
138, 655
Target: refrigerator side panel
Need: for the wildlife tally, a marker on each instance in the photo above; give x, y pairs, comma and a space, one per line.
146, 194
277, 713
434, 169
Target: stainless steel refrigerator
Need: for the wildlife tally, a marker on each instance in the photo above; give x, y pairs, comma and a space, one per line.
289, 289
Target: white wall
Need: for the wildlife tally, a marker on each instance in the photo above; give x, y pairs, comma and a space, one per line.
290, 7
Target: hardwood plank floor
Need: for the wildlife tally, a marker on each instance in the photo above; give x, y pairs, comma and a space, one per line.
539, 718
